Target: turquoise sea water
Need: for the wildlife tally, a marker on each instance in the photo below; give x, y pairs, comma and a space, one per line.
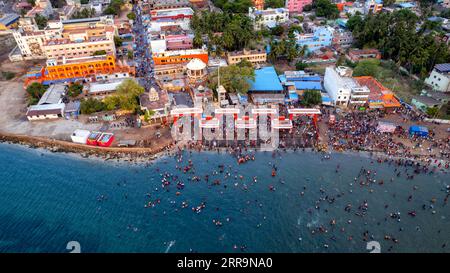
47, 200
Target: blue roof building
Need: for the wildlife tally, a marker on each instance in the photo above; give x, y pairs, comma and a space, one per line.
266, 80
308, 85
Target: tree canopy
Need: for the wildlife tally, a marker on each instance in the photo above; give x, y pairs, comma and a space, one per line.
324, 8
91, 105
274, 4
397, 38
41, 21
114, 7
366, 68
235, 78
236, 29
35, 92
84, 13
311, 97
126, 96
74, 90
234, 6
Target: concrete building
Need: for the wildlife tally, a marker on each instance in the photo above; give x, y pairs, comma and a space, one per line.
46, 111
269, 17
344, 90
342, 39
8, 21
439, 78
356, 55
69, 38
374, 6
172, 14
167, 4
258, 56
41, 7
196, 72
156, 102
82, 42
321, 36
179, 56
296, 6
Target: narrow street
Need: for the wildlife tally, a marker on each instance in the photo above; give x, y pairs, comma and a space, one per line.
142, 52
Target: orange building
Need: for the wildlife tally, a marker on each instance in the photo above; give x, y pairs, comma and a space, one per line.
380, 96
80, 68
259, 4
179, 56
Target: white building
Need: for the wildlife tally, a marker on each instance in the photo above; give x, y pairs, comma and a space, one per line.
342, 89
439, 78
268, 17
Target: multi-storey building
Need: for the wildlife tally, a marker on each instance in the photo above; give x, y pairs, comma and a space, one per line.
179, 56
82, 42
342, 89
342, 38
439, 78
373, 6
253, 56
70, 38
296, 6
171, 14
269, 17
41, 7
320, 37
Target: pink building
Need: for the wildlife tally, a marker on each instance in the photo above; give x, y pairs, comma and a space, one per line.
296, 6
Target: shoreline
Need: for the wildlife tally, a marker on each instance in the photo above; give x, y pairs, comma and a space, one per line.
86, 151
147, 155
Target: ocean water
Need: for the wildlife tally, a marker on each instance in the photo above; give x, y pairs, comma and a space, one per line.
47, 200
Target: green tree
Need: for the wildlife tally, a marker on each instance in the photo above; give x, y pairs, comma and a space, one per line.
74, 90
35, 92
301, 65
131, 16
83, 13
198, 41
130, 54
118, 41
99, 52
91, 105
277, 30
114, 7
126, 96
274, 4
41, 21
235, 78
367, 68
432, 111
311, 98
324, 8
32, 2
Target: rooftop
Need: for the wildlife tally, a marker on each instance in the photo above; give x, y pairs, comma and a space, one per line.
266, 79
53, 94
443, 68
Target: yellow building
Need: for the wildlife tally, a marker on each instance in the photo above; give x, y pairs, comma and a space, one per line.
81, 42
253, 56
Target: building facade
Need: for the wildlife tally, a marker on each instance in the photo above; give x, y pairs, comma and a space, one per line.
439, 78
296, 6
269, 17
320, 37
83, 42
179, 56
253, 56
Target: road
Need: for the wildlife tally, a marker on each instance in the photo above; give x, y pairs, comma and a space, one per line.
142, 52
